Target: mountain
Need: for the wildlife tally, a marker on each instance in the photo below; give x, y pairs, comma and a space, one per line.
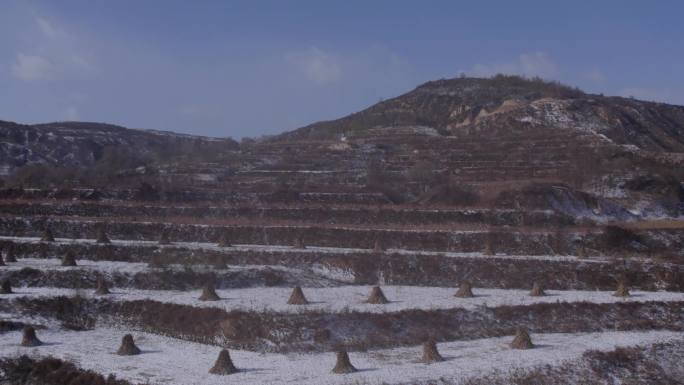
492, 134
78, 144
504, 141
506, 105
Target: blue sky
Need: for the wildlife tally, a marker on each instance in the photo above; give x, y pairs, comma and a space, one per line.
233, 68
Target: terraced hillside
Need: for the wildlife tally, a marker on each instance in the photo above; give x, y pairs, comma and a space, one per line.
417, 239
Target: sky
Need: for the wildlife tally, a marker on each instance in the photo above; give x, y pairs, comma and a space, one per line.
251, 68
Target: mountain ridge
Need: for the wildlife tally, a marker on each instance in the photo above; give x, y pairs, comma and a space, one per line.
79, 144
460, 106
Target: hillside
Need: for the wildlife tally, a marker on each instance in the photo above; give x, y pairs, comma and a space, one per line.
526, 231
503, 142
507, 105
82, 144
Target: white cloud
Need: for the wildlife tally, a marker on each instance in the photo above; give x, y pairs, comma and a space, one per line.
527, 64
55, 55
32, 67
317, 65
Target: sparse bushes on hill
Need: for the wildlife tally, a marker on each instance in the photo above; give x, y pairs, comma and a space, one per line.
41, 175
146, 192
618, 237
50, 371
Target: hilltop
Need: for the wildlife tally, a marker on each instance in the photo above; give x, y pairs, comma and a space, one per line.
504, 105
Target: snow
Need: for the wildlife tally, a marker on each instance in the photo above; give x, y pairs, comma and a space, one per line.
308, 249
170, 361
118, 267
54, 264
351, 298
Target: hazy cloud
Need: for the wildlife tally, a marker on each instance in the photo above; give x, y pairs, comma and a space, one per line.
48, 29
527, 64
664, 95
32, 67
71, 114
594, 76
54, 54
318, 66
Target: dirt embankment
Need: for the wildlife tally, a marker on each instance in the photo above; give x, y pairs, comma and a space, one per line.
357, 268
610, 240
356, 215
316, 331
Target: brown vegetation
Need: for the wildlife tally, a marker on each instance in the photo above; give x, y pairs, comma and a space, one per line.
224, 364
47, 235
68, 259
6, 287
164, 238
50, 371
102, 235
10, 254
128, 347
209, 293
297, 297
465, 290
430, 353
522, 339
537, 290
225, 240
29, 338
102, 287
622, 290
343, 365
376, 296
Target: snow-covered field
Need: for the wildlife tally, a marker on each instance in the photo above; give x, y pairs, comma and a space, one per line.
309, 249
170, 361
55, 264
351, 298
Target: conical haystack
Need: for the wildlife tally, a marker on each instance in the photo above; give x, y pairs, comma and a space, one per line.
622, 290
218, 263
6, 287
223, 365
102, 287
297, 297
522, 340
537, 290
209, 293
48, 236
9, 255
430, 353
102, 235
377, 247
465, 290
29, 338
299, 243
164, 238
128, 347
224, 241
69, 259
582, 252
488, 249
156, 261
377, 296
343, 365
